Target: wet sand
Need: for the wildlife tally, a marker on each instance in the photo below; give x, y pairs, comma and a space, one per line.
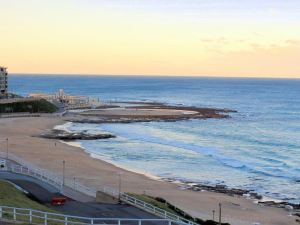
138, 112
23, 142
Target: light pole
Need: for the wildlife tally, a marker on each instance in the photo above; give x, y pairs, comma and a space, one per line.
220, 213
120, 185
6, 148
64, 165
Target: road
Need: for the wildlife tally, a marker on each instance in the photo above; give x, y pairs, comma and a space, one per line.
43, 193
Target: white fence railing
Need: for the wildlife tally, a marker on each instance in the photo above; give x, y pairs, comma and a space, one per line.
39, 217
51, 178
153, 209
15, 115
57, 181
36, 173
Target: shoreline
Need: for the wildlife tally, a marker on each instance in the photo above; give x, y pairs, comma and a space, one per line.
48, 154
98, 157
189, 185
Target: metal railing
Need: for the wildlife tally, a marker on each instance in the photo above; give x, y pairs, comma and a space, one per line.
28, 169
40, 217
15, 115
57, 181
154, 210
36, 173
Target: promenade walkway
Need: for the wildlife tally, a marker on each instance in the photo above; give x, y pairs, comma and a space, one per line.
44, 192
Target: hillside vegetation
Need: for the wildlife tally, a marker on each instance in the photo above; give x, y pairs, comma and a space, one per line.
32, 106
11, 196
163, 204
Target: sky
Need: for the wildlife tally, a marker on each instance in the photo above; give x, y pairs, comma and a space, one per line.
239, 38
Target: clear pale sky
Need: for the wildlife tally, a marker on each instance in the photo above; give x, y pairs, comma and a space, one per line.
151, 37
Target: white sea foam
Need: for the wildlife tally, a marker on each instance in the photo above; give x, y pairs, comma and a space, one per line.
79, 144
73, 143
131, 133
139, 133
131, 169
64, 127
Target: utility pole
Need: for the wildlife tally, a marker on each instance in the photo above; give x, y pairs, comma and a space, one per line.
220, 213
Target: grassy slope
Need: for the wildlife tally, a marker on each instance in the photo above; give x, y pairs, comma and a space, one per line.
36, 105
10, 196
154, 202
163, 204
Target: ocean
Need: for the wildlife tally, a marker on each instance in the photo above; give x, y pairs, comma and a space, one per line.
257, 149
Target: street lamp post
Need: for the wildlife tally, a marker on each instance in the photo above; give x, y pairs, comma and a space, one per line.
6, 148
220, 213
120, 185
64, 167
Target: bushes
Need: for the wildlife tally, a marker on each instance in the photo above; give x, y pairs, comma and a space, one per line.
33, 106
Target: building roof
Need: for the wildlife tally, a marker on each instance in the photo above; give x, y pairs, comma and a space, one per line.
38, 95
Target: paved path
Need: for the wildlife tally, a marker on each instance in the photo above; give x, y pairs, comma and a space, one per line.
14, 176
43, 193
76, 195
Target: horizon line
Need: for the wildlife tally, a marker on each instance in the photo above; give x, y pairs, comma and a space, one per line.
149, 75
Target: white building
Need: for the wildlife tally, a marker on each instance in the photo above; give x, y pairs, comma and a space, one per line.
3, 82
70, 101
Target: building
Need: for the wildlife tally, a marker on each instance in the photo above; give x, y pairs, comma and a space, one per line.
69, 101
48, 97
3, 82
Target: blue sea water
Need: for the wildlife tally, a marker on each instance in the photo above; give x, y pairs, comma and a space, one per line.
258, 148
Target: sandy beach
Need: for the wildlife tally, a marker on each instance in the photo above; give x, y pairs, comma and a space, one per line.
49, 154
